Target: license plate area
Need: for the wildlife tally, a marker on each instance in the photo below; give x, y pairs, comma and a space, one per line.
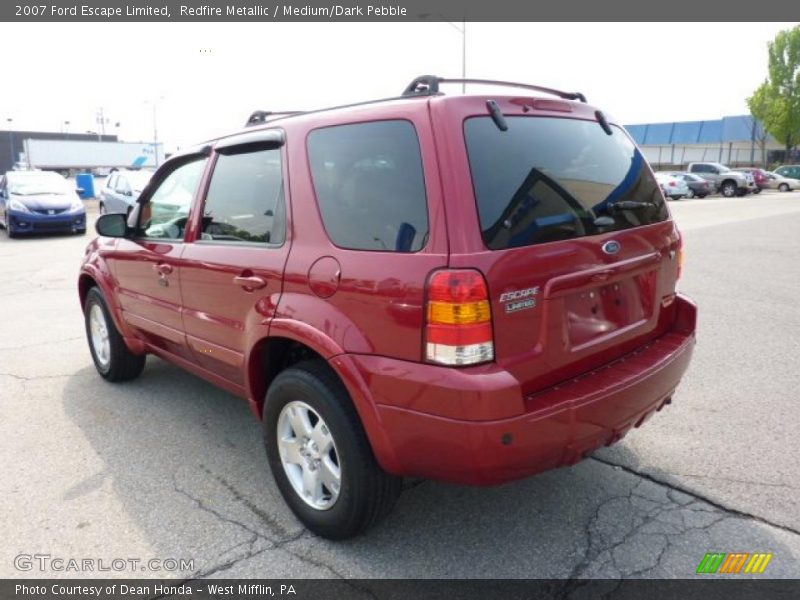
599, 311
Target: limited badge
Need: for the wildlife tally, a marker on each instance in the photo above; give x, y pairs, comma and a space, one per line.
519, 299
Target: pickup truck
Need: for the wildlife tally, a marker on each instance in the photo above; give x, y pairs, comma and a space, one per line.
727, 182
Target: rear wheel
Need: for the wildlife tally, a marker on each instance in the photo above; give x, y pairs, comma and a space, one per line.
320, 456
690, 194
112, 358
784, 187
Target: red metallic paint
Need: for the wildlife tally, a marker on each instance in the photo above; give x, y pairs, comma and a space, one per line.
558, 387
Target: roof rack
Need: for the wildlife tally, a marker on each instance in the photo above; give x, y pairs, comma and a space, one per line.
262, 116
428, 85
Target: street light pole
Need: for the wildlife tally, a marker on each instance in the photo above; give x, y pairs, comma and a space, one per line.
155, 125
463, 31
155, 133
11, 140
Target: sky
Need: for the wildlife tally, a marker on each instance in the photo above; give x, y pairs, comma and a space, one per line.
206, 78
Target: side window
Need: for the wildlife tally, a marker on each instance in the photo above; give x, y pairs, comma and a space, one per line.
164, 216
370, 186
122, 186
111, 182
245, 200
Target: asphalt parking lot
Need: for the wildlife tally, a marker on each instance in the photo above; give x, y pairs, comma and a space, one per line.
169, 467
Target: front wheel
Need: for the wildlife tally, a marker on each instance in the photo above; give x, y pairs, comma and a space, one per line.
728, 189
320, 456
112, 358
783, 187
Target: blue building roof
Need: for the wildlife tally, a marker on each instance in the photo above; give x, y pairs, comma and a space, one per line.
738, 128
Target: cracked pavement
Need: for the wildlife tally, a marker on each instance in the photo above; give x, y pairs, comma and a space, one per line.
169, 467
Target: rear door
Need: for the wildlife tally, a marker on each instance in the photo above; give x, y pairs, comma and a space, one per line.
572, 234
232, 269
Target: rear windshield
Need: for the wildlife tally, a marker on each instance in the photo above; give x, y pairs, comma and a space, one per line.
549, 179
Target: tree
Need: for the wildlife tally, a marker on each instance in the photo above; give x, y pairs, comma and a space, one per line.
776, 102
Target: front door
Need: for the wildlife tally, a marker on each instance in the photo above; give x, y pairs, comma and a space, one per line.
231, 273
148, 265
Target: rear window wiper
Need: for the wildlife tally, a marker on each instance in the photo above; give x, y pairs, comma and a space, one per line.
629, 205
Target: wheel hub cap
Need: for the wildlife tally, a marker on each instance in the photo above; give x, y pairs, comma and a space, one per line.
98, 331
308, 455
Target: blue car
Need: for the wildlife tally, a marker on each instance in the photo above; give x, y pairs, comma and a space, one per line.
40, 202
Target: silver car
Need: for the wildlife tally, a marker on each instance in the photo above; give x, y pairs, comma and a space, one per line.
122, 189
784, 184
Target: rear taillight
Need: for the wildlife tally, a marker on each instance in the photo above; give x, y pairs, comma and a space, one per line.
672, 184
458, 329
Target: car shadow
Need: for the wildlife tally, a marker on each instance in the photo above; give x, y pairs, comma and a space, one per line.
186, 462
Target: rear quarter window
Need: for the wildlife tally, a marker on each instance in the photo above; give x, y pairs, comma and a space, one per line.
548, 179
370, 187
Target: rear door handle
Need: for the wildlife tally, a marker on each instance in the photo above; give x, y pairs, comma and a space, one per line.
163, 269
253, 282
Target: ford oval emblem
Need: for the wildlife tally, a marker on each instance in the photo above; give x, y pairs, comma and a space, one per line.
611, 247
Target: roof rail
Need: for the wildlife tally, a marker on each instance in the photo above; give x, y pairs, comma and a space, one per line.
428, 85
262, 116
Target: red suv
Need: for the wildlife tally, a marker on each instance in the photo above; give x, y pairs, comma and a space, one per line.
472, 289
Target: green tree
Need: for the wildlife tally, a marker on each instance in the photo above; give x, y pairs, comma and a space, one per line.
776, 102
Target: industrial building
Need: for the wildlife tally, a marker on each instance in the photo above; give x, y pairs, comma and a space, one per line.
736, 141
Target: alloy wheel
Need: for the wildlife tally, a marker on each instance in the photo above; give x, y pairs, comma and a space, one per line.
308, 455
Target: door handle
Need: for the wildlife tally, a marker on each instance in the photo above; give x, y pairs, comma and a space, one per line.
162, 269
253, 282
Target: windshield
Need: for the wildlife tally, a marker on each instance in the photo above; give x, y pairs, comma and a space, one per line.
32, 184
548, 179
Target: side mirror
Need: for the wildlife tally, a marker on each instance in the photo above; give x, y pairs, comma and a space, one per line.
112, 225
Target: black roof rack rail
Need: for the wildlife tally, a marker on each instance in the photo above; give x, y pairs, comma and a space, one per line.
428, 85
262, 116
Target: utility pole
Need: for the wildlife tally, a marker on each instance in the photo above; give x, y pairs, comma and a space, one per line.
11, 141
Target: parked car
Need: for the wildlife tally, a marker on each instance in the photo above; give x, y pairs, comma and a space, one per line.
780, 183
472, 289
673, 187
121, 190
789, 171
759, 177
40, 202
698, 187
727, 182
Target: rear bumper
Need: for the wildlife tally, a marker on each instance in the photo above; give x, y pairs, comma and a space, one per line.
559, 427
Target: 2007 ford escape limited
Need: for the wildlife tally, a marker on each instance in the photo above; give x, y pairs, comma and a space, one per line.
472, 289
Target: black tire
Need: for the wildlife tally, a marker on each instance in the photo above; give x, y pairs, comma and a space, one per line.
701, 196
122, 365
728, 189
367, 493
757, 191
80, 232
783, 187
